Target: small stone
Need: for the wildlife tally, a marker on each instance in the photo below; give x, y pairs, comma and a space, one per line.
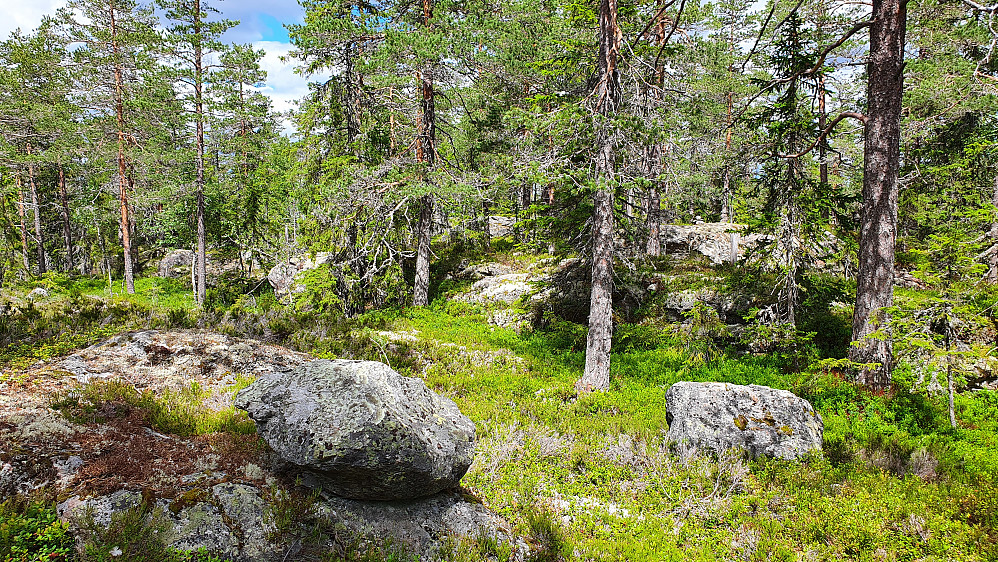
38, 293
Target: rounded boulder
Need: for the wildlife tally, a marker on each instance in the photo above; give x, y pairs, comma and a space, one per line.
364, 430
764, 421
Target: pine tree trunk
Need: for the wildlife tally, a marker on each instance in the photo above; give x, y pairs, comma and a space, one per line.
67, 231
605, 98
878, 225
39, 237
24, 227
201, 257
119, 111
426, 152
422, 284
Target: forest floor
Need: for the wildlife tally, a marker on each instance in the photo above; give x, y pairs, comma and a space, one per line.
592, 478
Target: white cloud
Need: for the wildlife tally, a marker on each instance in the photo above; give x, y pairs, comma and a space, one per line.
283, 86
25, 14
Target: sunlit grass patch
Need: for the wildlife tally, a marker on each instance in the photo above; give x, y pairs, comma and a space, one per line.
191, 410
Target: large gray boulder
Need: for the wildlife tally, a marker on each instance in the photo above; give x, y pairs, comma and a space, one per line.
365, 431
761, 420
171, 264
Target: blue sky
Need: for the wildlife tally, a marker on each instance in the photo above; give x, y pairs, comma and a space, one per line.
260, 24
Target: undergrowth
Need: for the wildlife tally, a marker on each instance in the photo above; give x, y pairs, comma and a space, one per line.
185, 412
592, 478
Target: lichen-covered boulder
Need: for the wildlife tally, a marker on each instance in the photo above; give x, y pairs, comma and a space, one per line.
761, 420
283, 277
364, 430
171, 263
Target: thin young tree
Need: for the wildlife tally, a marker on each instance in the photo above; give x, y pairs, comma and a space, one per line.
194, 42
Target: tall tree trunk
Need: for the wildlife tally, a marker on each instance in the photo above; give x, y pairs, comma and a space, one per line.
39, 236
67, 231
24, 226
878, 227
119, 112
422, 288
605, 98
201, 258
426, 152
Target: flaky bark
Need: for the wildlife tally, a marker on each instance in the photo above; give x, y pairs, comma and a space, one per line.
605, 99
878, 226
422, 283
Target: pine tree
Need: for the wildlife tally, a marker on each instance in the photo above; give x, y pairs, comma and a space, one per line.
193, 39
118, 49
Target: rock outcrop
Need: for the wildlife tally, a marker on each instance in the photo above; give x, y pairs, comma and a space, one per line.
173, 263
282, 277
218, 492
235, 521
761, 420
365, 431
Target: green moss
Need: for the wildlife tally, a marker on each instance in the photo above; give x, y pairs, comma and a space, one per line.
741, 422
188, 499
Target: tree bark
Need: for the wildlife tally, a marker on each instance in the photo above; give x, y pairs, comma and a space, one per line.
24, 227
422, 283
878, 226
426, 152
119, 111
67, 231
201, 258
39, 236
605, 99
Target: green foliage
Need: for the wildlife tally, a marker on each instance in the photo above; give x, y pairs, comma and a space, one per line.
30, 531
698, 335
134, 535
549, 540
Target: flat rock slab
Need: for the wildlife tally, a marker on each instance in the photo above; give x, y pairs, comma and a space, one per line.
763, 421
365, 431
